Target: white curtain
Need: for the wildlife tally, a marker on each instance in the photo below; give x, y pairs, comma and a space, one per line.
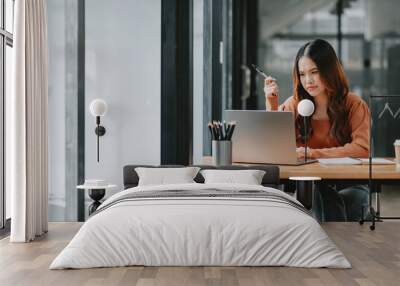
27, 122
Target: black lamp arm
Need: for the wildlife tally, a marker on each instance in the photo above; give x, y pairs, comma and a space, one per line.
100, 131
305, 138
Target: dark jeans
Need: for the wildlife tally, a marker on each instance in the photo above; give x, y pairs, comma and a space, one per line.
335, 203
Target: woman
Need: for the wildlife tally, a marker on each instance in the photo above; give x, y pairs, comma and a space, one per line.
339, 124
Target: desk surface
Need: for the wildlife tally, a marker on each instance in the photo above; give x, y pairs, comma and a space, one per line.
349, 172
335, 172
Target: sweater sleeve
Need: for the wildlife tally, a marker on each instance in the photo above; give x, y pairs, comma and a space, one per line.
359, 117
272, 102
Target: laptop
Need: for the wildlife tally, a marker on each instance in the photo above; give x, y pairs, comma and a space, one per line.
266, 137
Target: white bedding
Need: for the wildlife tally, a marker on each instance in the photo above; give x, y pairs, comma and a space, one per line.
200, 231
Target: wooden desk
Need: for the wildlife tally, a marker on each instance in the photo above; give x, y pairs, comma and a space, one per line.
381, 174
357, 174
342, 172
335, 172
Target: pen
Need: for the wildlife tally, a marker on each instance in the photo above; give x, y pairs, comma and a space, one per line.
217, 131
225, 129
231, 130
257, 69
228, 131
223, 134
210, 127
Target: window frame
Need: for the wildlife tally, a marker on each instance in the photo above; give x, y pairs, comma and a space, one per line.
6, 39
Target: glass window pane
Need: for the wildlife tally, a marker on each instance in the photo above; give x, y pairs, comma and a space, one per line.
1, 15
2, 195
10, 15
198, 22
62, 198
8, 73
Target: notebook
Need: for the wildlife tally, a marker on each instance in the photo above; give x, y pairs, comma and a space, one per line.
354, 161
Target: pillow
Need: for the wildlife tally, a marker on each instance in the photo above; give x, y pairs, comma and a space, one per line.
164, 176
248, 177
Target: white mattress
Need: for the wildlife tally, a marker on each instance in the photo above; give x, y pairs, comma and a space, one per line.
200, 231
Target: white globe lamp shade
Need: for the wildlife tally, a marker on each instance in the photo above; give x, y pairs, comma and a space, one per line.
305, 107
98, 107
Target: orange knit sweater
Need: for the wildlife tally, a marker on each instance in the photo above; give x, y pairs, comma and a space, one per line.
322, 144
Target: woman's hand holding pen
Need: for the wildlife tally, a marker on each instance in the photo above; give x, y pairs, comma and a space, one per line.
271, 88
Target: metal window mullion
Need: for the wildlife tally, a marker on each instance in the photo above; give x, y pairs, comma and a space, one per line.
2, 101
6, 39
3, 14
2, 189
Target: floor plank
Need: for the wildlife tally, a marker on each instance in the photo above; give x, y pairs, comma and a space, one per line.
374, 255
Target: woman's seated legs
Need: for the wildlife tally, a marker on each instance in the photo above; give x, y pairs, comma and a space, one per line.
329, 205
355, 198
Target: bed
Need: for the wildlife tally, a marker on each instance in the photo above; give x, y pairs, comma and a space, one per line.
197, 224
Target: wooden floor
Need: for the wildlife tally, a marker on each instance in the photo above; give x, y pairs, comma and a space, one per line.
375, 257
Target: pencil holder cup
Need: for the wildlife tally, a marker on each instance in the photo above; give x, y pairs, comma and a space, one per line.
222, 152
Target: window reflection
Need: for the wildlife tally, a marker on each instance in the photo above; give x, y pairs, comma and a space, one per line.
9, 9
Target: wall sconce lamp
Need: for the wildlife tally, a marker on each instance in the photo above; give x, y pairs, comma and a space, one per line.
305, 108
98, 107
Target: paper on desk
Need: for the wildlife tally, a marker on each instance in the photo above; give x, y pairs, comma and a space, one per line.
339, 161
354, 161
377, 161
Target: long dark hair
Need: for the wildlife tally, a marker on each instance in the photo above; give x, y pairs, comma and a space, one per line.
336, 85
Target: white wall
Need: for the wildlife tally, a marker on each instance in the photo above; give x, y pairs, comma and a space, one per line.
123, 67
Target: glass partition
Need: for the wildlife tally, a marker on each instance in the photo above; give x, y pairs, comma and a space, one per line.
109, 50
9, 15
6, 59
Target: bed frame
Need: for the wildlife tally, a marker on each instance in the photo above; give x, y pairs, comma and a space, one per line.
270, 179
